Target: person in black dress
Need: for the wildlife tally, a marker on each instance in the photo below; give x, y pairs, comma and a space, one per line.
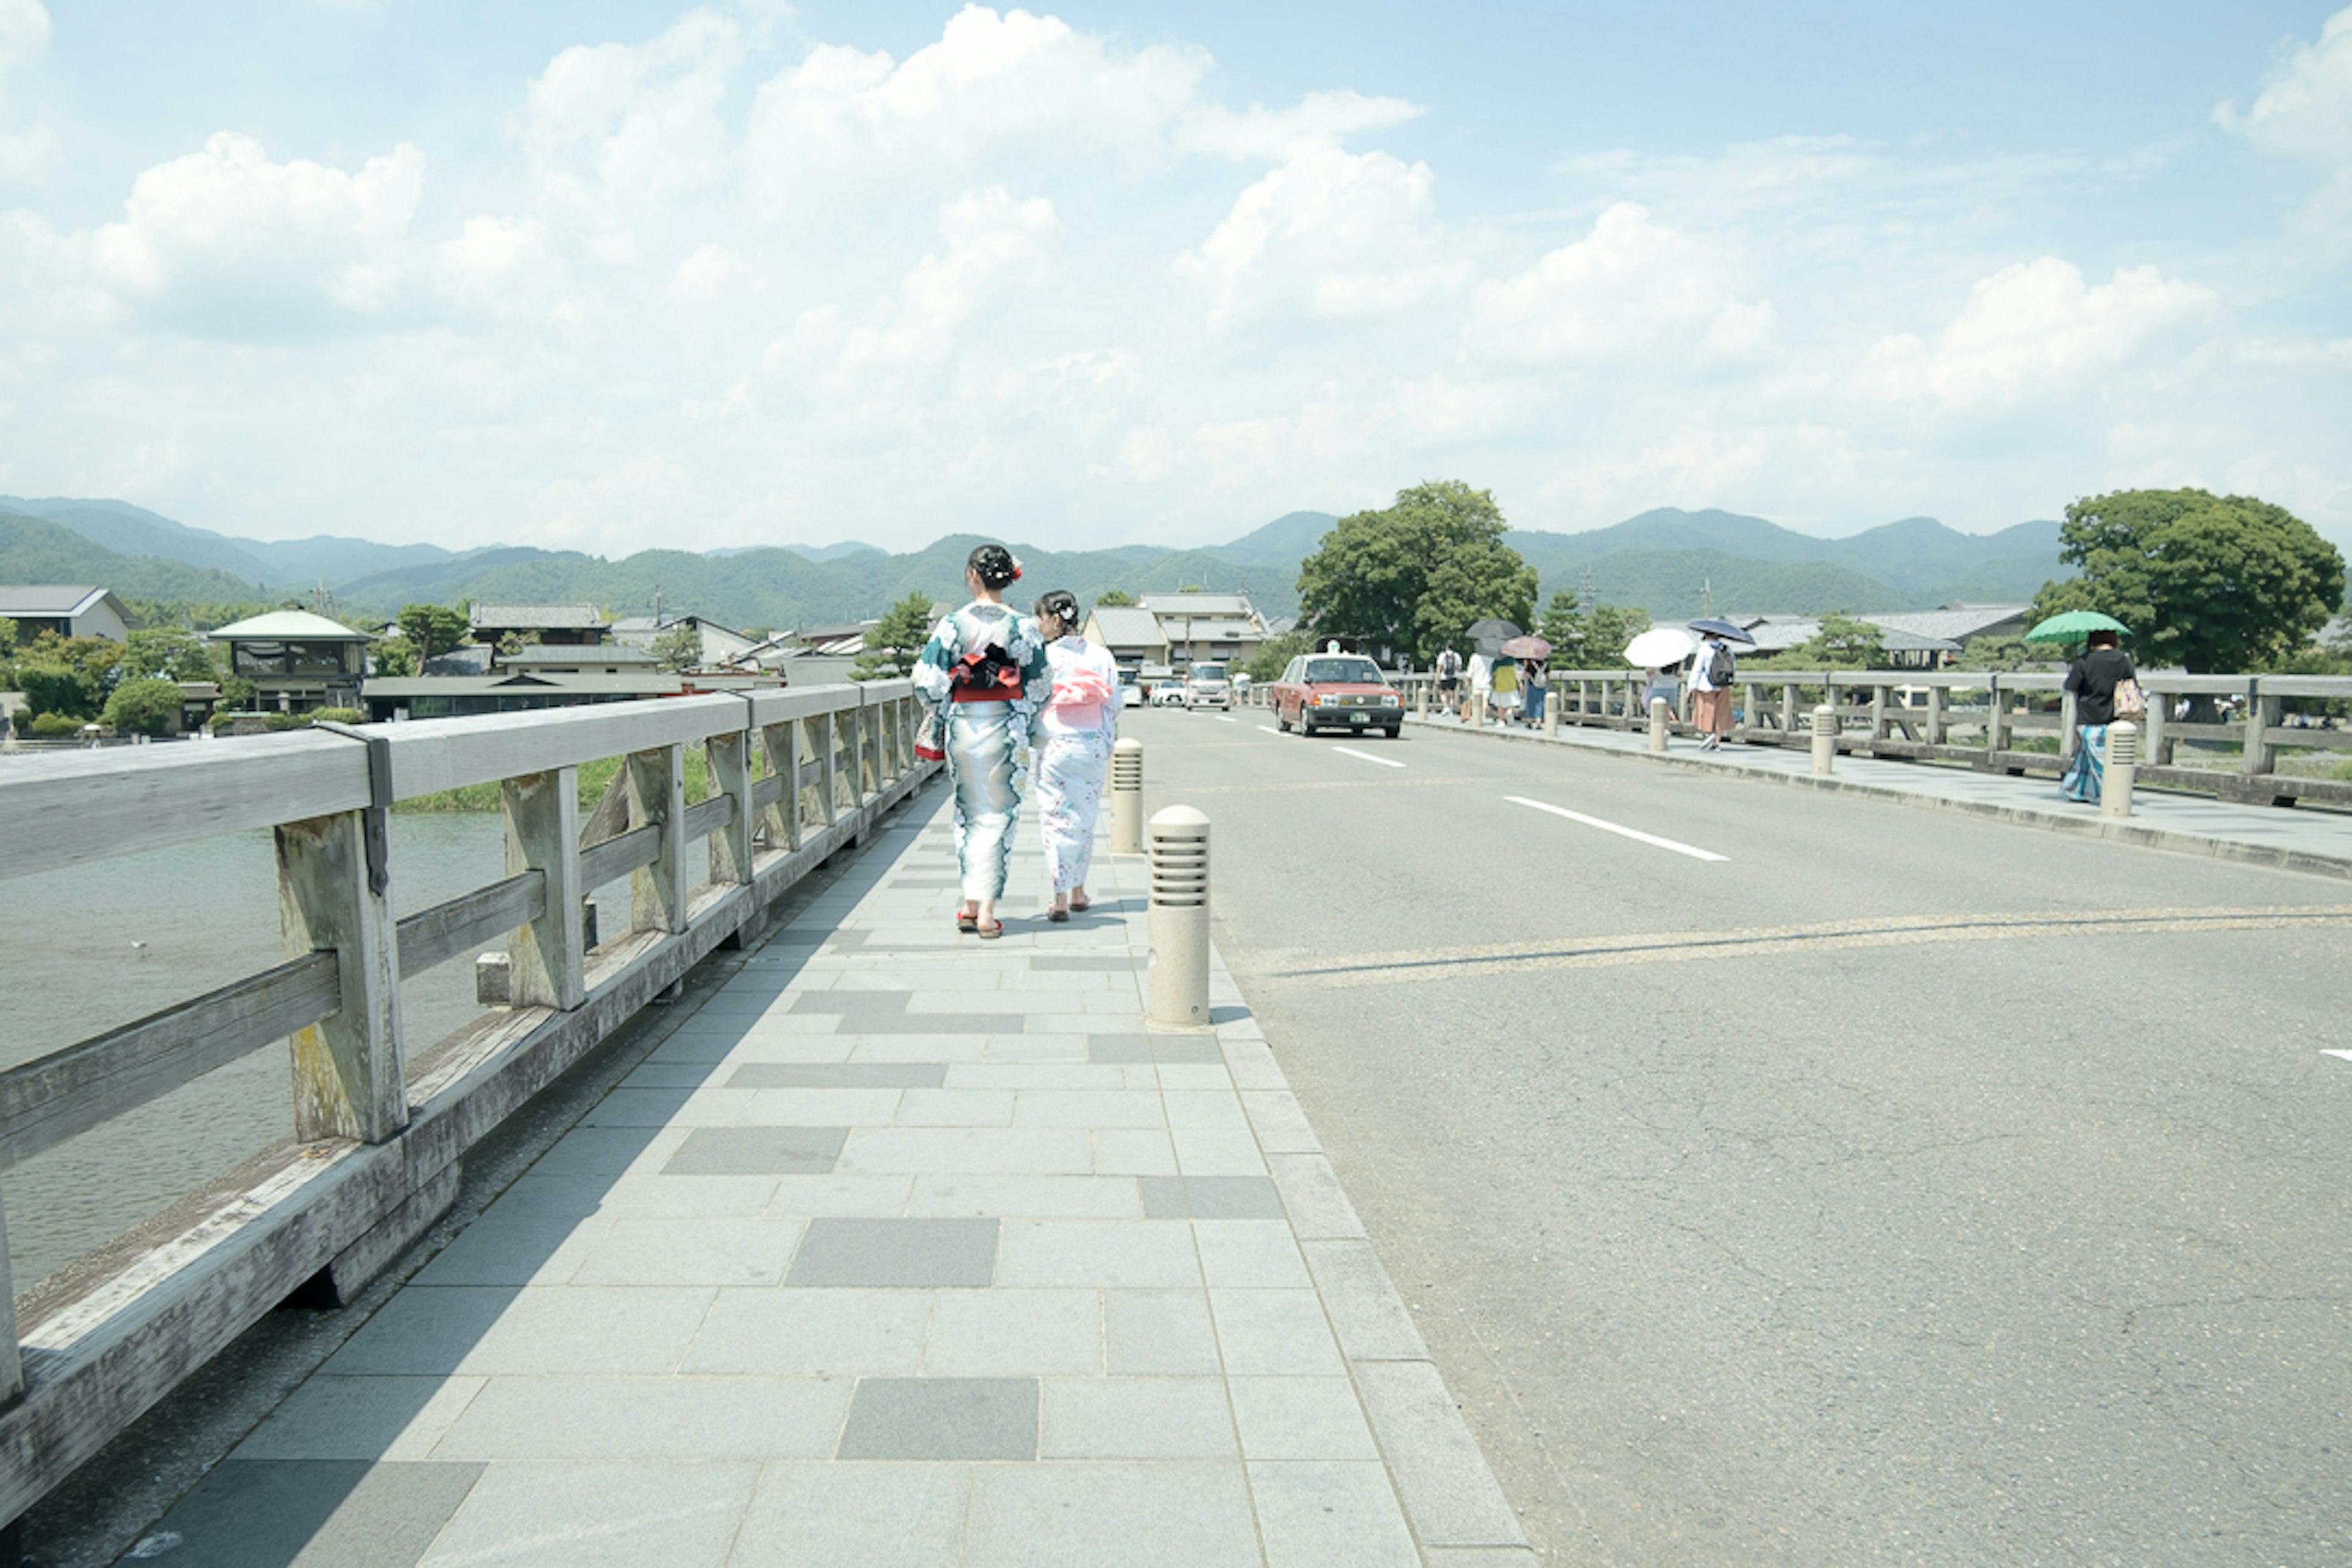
2093, 678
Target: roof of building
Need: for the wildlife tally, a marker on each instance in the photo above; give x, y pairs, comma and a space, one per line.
537, 617
597, 653
1227, 604
647, 626
48, 601
287, 626
1128, 626
1955, 623
651, 684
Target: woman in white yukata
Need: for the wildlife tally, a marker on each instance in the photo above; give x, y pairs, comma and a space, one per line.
1076, 729
983, 673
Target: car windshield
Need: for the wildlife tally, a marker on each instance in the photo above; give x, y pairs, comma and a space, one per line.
1319, 670
1208, 672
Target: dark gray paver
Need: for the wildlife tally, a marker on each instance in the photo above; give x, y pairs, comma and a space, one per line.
839, 1075
758, 1152
309, 1513
896, 1252
1210, 1197
942, 1418
1167, 1050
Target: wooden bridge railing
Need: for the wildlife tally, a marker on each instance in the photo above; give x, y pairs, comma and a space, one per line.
1922, 714
380, 1125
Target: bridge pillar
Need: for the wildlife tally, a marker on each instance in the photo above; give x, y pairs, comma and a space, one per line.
547, 958
1179, 918
2122, 769
1127, 798
657, 893
1657, 723
1825, 733
349, 1078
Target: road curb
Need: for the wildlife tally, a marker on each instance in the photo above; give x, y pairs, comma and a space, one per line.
1455, 1506
2170, 839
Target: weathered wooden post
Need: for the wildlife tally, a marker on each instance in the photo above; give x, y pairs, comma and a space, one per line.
829, 759
12, 1359
1878, 716
1996, 723
1935, 715
2122, 769
730, 776
348, 1077
1787, 709
2155, 745
780, 743
657, 893
547, 958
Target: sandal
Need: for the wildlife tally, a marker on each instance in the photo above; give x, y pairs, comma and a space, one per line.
1059, 917
966, 922
1080, 904
989, 931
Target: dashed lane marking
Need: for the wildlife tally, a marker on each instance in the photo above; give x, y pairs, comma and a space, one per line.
2345, 1055
1367, 756
1267, 730
1619, 829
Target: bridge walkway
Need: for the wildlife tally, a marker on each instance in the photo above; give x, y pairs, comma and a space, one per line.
907, 1249
2292, 838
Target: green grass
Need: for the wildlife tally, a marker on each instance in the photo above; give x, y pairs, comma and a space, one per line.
593, 778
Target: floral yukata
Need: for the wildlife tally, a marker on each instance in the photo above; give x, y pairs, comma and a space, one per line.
982, 722
1078, 725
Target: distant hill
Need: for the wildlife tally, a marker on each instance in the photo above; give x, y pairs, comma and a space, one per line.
34, 549
1671, 561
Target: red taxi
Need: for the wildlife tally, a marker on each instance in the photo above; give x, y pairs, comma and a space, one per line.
1335, 691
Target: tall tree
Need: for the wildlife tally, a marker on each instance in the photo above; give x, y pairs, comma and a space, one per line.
1113, 596
434, 628
895, 641
2210, 583
1591, 639
1417, 574
166, 653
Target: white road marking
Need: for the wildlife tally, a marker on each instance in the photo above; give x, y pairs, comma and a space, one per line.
2345, 1055
1224, 718
1267, 730
1367, 756
1619, 828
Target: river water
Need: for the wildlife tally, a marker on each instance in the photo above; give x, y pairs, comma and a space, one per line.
92, 947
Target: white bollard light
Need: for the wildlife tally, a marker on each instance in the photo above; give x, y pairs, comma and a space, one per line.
2122, 769
1180, 918
1551, 714
1825, 733
1657, 723
1127, 798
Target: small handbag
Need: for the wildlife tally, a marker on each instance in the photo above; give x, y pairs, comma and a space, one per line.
930, 743
2131, 702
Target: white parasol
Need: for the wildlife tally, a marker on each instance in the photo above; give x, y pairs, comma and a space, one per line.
1660, 647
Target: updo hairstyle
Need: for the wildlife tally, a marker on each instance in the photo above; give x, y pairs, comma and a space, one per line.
1060, 604
994, 566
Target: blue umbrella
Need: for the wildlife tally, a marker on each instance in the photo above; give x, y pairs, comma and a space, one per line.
1724, 629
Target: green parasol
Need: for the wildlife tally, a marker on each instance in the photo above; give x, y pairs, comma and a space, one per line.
2075, 625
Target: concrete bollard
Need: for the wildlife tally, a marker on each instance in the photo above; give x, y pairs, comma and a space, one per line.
1179, 918
1127, 798
1657, 723
493, 980
1825, 734
2122, 769
1551, 715
1423, 700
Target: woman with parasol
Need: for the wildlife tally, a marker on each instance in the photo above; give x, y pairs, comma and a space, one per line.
2106, 685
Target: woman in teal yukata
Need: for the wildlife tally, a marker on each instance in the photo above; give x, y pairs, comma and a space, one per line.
985, 674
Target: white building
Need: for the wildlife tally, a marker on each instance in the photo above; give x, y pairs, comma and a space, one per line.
71, 612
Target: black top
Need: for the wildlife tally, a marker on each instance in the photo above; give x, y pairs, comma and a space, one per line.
2094, 679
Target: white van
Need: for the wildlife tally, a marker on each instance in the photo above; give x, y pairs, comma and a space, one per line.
1207, 686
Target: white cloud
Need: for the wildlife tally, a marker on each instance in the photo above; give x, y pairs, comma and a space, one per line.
2030, 331
634, 122
1341, 236
2305, 110
707, 274
1631, 287
226, 240
1322, 121
24, 37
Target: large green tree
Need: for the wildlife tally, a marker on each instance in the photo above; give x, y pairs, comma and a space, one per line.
167, 653
432, 628
1594, 639
1415, 575
892, 647
143, 706
2210, 583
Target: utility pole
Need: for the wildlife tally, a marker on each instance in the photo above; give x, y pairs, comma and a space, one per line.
1586, 595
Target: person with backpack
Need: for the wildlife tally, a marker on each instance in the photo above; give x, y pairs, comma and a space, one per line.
1449, 678
2105, 684
1711, 675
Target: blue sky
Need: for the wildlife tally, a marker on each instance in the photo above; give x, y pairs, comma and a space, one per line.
607, 275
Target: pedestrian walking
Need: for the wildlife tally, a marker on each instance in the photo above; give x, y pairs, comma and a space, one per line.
2105, 684
1449, 678
984, 675
1506, 692
1482, 689
1539, 684
1665, 680
1711, 677
1078, 725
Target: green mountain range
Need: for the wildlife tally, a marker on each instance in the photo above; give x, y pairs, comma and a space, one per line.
1672, 562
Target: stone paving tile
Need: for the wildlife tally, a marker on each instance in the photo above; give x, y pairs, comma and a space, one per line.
1135, 1418
955, 1108
315, 1513
942, 1418
840, 1250
362, 1418
970, 1151
1165, 1333
1084, 1108
1014, 1333
1028, 1197
816, 1333
1273, 1333
1301, 1418
691, 1249
1134, 1153
1167, 1515
1330, 1515
1242, 1253
758, 1151
518, 1246
838, 1074
598, 1516
1112, 1254
675, 1419
856, 1516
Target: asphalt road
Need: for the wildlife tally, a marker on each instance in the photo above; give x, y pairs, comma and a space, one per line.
1895, 1188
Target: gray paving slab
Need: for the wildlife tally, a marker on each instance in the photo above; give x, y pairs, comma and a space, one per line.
912, 1250
942, 1418
310, 1514
840, 1250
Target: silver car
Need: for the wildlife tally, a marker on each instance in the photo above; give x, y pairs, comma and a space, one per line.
1207, 686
